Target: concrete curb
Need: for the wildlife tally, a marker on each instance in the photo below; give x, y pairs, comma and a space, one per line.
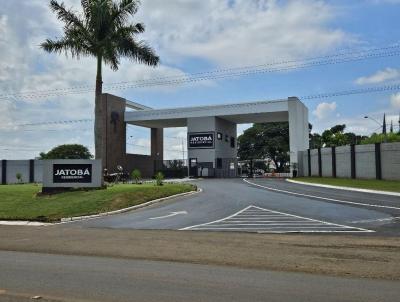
146, 204
24, 223
78, 218
344, 188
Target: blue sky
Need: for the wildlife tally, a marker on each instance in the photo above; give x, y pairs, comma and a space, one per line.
196, 36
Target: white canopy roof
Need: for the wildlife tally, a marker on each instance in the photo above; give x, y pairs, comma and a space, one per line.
254, 112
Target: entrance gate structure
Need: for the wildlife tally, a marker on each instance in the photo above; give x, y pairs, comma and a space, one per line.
212, 131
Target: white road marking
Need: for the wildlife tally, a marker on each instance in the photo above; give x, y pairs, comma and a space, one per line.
375, 220
170, 215
323, 198
300, 225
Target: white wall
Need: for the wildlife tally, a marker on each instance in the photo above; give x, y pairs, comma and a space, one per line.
364, 162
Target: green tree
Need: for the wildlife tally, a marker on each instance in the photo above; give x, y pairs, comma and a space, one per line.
315, 141
102, 31
267, 140
336, 136
73, 151
380, 138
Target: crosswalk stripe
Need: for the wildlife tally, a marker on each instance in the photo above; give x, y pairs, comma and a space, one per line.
254, 218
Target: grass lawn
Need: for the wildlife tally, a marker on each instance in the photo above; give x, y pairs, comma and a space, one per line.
19, 202
372, 184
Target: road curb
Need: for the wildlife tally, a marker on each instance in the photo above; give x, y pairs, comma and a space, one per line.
146, 204
78, 218
344, 188
24, 223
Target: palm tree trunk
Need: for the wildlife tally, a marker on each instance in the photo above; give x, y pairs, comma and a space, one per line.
98, 113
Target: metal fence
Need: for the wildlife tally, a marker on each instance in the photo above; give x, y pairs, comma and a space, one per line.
176, 168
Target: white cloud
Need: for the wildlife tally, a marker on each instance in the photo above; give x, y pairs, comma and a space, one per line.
324, 110
241, 32
395, 100
379, 77
223, 32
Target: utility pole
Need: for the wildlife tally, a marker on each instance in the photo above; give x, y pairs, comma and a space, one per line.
399, 123
384, 124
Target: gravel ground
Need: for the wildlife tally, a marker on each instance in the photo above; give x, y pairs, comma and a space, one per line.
355, 256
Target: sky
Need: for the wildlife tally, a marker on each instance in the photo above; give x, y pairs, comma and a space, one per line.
192, 36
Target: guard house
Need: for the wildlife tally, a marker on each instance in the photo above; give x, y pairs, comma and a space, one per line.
212, 132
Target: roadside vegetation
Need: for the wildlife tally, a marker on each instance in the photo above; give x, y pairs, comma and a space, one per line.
22, 202
372, 184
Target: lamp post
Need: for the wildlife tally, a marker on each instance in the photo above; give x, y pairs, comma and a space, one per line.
380, 125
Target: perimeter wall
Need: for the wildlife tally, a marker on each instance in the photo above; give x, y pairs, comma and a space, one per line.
378, 161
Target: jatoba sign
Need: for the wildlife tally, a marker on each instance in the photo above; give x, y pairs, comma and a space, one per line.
71, 173
201, 140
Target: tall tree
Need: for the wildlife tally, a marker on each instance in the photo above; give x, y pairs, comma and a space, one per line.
73, 151
266, 141
102, 31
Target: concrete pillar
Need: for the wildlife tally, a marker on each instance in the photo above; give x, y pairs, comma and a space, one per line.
31, 171
114, 132
353, 161
378, 161
157, 143
4, 172
298, 129
334, 162
319, 163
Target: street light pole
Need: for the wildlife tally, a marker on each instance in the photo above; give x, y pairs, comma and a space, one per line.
371, 118
380, 125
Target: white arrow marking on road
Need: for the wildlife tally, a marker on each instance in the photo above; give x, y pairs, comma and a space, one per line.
170, 215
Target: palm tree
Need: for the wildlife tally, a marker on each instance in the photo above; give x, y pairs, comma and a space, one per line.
103, 31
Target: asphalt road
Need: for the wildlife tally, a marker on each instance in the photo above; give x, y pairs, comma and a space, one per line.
77, 278
272, 206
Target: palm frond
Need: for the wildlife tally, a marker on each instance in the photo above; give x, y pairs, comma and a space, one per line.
137, 51
103, 31
121, 11
65, 45
110, 58
129, 6
86, 8
65, 15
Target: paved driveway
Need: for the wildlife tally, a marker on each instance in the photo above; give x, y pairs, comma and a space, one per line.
286, 210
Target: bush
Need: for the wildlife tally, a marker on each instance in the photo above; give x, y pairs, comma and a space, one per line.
159, 179
380, 138
19, 177
136, 175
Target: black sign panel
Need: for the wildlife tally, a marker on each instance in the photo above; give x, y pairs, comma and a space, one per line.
72, 173
201, 140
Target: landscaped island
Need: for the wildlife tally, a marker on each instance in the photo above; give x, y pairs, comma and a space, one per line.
21, 202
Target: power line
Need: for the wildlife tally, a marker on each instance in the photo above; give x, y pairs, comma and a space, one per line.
375, 89
223, 73
148, 147
352, 92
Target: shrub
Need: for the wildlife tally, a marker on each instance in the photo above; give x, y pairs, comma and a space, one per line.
136, 175
19, 177
159, 179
